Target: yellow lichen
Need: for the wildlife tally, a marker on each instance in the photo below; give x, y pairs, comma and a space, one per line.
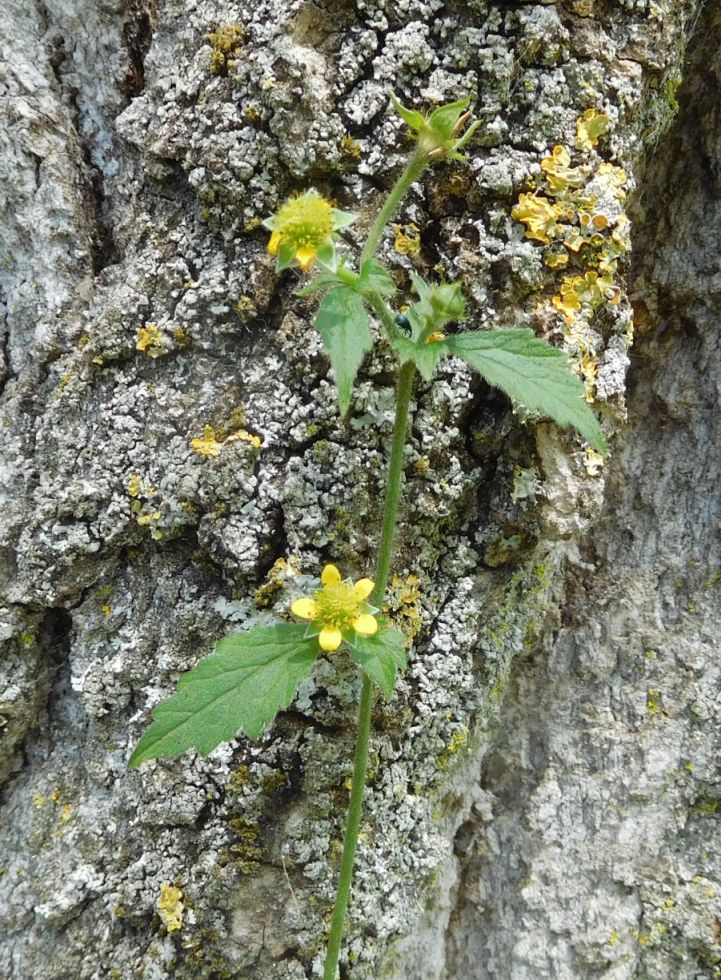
246, 307
540, 216
593, 462
252, 113
170, 906
403, 604
134, 485
145, 519
587, 292
208, 445
560, 175
590, 128
214, 439
408, 239
150, 340
281, 571
555, 259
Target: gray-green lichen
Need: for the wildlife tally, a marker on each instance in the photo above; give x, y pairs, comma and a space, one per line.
142, 164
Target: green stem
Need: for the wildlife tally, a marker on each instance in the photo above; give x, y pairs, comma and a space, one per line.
404, 390
414, 168
355, 810
360, 763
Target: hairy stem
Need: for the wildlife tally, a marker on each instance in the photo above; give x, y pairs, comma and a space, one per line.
360, 763
414, 168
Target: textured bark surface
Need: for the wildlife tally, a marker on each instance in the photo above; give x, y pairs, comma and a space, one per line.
544, 784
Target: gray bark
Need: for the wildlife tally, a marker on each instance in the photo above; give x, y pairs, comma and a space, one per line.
544, 785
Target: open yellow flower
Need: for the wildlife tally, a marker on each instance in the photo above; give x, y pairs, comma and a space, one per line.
336, 609
303, 230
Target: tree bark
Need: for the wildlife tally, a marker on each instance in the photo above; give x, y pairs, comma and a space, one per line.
544, 786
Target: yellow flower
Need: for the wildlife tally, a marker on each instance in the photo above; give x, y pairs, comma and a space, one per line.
303, 230
336, 609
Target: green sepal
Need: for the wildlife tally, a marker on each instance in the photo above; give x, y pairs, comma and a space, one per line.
329, 278
425, 355
324, 280
460, 143
380, 656
440, 303
342, 322
533, 373
240, 687
326, 255
443, 120
374, 278
286, 255
343, 219
411, 116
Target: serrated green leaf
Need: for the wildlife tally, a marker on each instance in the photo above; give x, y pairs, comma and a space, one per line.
425, 356
250, 677
531, 371
380, 656
374, 278
342, 322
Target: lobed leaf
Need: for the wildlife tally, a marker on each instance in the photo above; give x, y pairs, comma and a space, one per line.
380, 656
425, 356
374, 278
241, 687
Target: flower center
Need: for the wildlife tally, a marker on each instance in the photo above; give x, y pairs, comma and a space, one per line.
306, 220
336, 604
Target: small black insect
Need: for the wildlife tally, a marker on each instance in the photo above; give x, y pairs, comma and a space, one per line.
404, 323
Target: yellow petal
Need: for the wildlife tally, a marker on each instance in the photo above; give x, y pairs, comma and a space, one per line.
330, 638
305, 256
274, 242
366, 625
305, 608
363, 588
330, 576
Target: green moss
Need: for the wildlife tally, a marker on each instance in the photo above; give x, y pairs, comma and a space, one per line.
498, 688
457, 741
203, 959
274, 781
321, 450
238, 779
653, 701
246, 851
226, 44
